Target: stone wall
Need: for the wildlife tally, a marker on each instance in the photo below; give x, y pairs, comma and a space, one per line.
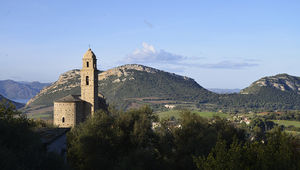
64, 114
81, 114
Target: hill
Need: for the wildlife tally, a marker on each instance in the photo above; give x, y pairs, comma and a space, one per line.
279, 92
20, 90
265, 99
131, 86
282, 82
128, 86
18, 105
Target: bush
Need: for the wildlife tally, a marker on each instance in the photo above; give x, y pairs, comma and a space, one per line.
20, 147
126, 140
277, 152
114, 141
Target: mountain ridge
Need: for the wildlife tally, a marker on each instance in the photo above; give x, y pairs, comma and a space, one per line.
20, 89
133, 85
123, 83
4, 99
282, 82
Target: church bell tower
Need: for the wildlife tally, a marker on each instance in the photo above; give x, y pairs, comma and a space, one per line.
89, 81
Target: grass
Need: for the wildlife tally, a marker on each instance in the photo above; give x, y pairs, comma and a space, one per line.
295, 133
40, 116
176, 114
287, 123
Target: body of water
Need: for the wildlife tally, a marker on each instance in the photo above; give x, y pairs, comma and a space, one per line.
21, 100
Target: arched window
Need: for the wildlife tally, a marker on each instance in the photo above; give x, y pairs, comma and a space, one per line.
87, 64
87, 80
63, 120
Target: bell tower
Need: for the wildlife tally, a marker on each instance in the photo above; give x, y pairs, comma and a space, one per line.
89, 81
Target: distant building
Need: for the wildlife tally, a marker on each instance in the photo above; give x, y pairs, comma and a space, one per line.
73, 109
169, 106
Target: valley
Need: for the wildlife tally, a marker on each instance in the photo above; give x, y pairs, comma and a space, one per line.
133, 86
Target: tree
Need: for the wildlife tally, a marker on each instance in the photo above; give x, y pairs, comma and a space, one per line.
195, 136
20, 147
114, 141
126, 140
277, 152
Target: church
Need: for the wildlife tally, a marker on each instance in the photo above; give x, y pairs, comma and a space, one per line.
73, 109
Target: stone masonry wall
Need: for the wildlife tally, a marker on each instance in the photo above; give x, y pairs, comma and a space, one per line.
64, 114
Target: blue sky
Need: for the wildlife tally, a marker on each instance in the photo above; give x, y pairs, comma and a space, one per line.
220, 44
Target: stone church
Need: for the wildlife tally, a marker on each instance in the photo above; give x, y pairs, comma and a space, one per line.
73, 109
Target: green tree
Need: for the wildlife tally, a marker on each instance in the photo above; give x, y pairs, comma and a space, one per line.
195, 136
114, 141
20, 147
126, 140
277, 152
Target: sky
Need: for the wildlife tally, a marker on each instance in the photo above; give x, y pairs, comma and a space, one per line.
220, 44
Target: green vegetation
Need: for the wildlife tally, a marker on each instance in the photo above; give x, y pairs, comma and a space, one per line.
176, 114
125, 140
293, 132
283, 115
267, 99
278, 152
281, 81
46, 115
129, 87
20, 146
287, 123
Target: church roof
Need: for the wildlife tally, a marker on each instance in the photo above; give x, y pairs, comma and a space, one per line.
70, 98
89, 54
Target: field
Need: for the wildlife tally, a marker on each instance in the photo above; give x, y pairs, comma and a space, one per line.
44, 116
294, 133
38, 112
176, 114
287, 123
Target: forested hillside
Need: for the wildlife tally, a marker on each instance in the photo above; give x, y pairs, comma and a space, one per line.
131, 86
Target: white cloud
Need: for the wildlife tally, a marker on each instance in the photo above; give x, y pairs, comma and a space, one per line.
148, 54
229, 65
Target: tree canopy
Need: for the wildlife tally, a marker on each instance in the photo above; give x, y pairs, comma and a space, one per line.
127, 140
20, 146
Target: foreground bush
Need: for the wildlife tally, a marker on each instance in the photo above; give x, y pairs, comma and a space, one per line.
20, 147
117, 140
277, 152
126, 141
